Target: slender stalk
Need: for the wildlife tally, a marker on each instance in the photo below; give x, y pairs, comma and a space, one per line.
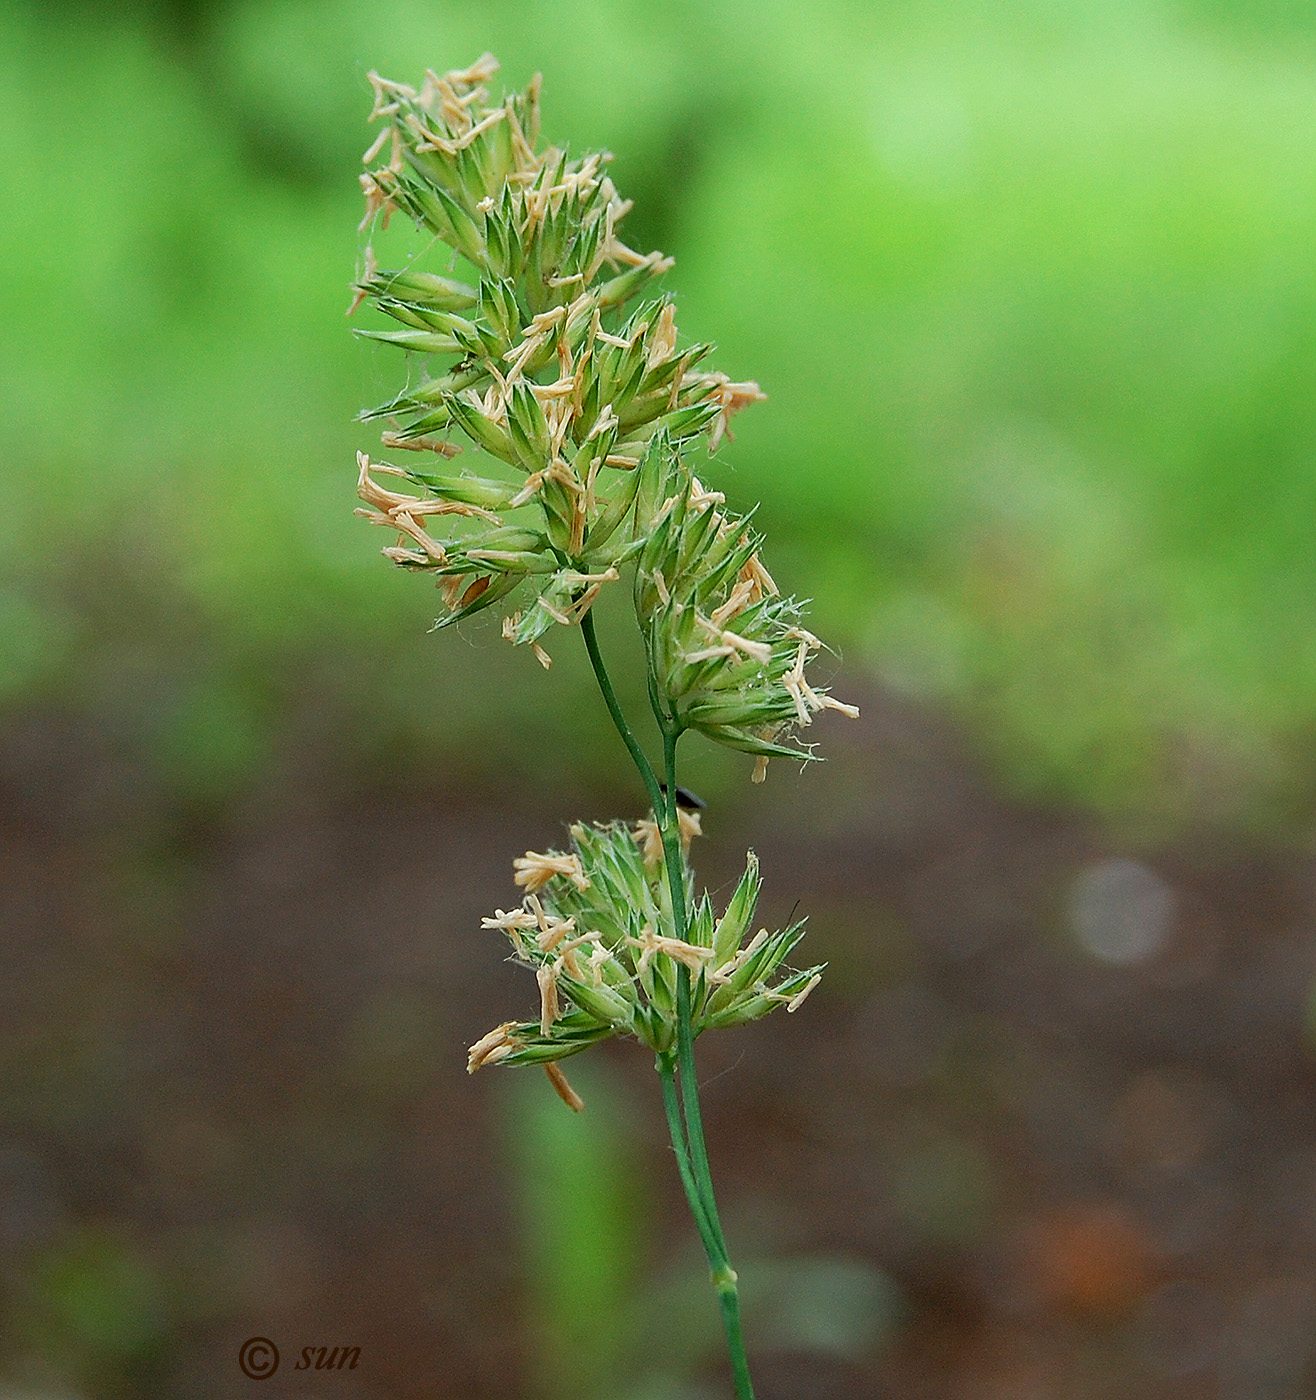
675, 862
723, 1275
728, 1294
666, 1066
688, 1136
721, 1272
619, 717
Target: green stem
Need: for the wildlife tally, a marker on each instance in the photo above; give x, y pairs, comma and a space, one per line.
688, 1136
728, 1294
685, 1041
697, 1179
666, 1065
615, 710
720, 1270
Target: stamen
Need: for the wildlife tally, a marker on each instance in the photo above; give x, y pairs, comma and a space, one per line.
491, 1048
564, 1090
549, 1010
797, 1000
534, 870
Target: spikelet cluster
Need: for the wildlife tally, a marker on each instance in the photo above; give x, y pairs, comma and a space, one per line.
596, 928
727, 651
582, 407
535, 360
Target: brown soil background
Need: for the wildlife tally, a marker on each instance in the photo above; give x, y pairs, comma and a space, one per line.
1086, 1180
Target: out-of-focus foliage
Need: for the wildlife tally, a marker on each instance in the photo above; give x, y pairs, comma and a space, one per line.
581, 1245
607, 1330
1029, 286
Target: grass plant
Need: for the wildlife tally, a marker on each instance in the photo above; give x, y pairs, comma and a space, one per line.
536, 337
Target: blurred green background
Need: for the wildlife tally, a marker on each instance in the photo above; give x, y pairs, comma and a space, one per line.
1031, 288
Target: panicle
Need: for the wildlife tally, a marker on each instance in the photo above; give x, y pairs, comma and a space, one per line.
548, 353
538, 340
596, 929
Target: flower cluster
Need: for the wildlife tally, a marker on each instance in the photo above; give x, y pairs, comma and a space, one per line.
726, 650
581, 411
596, 927
547, 373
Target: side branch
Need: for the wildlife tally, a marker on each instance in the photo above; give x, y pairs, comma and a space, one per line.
618, 716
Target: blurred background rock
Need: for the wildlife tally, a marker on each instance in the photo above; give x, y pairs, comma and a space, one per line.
1031, 287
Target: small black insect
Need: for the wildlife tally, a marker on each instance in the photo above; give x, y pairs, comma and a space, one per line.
691, 801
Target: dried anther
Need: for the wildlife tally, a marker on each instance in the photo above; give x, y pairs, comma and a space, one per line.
491, 1048
534, 871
